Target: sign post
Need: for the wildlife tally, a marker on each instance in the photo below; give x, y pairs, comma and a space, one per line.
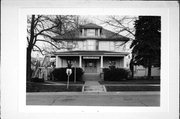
68, 72
74, 71
74, 74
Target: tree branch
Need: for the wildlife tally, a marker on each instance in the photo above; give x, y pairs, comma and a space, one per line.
37, 20
126, 28
39, 49
41, 24
45, 30
48, 42
46, 35
117, 23
28, 40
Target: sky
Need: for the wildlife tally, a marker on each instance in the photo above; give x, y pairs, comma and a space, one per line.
100, 20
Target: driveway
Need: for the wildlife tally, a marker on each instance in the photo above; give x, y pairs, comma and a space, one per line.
95, 99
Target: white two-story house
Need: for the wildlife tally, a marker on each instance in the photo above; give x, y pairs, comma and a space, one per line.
92, 48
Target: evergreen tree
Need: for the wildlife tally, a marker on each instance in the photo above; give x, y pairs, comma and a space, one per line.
146, 46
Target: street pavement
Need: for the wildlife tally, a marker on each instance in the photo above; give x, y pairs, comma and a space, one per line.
141, 98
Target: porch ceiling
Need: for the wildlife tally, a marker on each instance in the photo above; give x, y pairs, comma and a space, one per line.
91, 53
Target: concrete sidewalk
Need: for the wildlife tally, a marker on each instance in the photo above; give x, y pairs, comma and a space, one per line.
95, 99
92, 83
93, 86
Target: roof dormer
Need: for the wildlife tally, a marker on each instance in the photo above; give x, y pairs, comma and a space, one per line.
90, 30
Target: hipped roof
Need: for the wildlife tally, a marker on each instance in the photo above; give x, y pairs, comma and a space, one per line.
106, 35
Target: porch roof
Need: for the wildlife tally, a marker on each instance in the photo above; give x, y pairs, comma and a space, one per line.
90, 53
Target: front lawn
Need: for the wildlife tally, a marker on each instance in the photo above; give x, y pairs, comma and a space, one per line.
132, 81
48, 87
132, 88
132, 85
65, 82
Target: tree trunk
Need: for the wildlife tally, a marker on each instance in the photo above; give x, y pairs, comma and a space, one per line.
149, 69
132, 71
132, 68
28, 70
29, 50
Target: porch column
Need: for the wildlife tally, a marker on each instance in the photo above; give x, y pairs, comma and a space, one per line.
101, 63
80, 61
82, 32
124, 62
58, 62
98, 32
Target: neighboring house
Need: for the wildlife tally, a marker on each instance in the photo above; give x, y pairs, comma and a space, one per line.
140, 71
92, 48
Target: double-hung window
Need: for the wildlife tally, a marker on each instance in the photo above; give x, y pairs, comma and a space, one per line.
90, 32
91, 44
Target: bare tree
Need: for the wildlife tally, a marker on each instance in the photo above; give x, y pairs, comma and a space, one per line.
123, 25
45, 28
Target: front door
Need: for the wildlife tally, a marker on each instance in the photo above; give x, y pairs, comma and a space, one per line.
90, 66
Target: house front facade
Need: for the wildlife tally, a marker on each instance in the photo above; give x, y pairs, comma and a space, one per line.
92, 48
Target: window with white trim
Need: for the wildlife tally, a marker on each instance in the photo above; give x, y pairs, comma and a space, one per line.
90, 32
91, 45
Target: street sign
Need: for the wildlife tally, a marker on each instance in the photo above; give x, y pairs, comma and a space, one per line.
68, 72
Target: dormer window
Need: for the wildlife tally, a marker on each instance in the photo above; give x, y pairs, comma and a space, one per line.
90, 32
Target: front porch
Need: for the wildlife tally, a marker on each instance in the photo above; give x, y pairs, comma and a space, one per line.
91, 61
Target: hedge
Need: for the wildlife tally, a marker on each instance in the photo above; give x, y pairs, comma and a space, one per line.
115, 74
59, 74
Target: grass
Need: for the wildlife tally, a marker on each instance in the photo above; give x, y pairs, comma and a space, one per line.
132, 88
132, 81
71, 82
113, 86
45, 87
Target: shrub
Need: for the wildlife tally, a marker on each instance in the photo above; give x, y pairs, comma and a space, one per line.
60, 74
115, 74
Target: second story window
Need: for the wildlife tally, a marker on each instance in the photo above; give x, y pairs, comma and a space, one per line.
69, 45
91, 45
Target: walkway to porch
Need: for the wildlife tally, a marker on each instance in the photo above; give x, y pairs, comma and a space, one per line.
92, 84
